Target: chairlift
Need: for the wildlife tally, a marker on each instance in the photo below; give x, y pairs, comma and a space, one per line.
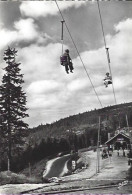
107, 79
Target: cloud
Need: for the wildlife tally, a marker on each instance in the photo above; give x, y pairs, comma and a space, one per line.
121, 47
51, 93
77, 85
77, 94
42, 9
7, 37
41, 61
125, 26
44, 86
42, 102
25, 31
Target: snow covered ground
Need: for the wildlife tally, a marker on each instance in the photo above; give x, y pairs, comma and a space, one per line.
110, 170
91, 158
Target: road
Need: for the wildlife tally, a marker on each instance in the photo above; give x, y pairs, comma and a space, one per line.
111, 190
57, 167
80, 187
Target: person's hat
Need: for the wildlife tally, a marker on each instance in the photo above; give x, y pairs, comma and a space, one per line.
107, 73
67, 50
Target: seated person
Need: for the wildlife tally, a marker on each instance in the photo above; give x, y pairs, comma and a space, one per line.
66, 61
107, 79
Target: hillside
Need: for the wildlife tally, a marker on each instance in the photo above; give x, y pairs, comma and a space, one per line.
111, 118
68, 134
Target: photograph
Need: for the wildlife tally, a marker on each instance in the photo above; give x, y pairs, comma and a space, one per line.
65, 97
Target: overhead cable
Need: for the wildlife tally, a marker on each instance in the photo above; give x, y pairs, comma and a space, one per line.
78, 54
107, 50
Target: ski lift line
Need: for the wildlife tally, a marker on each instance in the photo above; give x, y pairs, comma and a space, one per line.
106, 48
79, 54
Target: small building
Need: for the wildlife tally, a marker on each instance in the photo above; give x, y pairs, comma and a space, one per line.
119, 141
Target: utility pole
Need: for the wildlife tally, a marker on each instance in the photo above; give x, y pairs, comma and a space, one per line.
119, 120
29, 169
130, 133
98, 150
8, 164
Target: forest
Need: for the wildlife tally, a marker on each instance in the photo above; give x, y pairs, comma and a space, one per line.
69, 134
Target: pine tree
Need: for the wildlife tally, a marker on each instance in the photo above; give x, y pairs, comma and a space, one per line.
12, 105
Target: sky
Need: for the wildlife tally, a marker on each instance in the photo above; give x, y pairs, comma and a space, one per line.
34, 29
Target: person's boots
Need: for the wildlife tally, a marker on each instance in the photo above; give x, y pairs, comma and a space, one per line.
71, 67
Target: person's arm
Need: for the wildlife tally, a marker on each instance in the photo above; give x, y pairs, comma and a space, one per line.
69, 58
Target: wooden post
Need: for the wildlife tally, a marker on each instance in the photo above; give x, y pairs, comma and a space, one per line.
98, 150
8, 164
29, 169
130, 135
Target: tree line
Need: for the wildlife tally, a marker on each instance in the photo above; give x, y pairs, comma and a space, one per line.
51, 148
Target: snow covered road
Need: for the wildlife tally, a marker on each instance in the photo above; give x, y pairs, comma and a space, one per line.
56, 167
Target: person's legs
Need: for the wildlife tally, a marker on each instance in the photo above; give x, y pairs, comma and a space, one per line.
66, 67
106, 83
71, 66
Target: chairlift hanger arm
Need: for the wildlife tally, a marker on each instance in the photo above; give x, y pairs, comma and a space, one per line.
62, 29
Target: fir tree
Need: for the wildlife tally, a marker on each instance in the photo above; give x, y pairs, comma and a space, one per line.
12, 105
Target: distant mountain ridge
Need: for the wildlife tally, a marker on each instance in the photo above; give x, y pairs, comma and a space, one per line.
111, 118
